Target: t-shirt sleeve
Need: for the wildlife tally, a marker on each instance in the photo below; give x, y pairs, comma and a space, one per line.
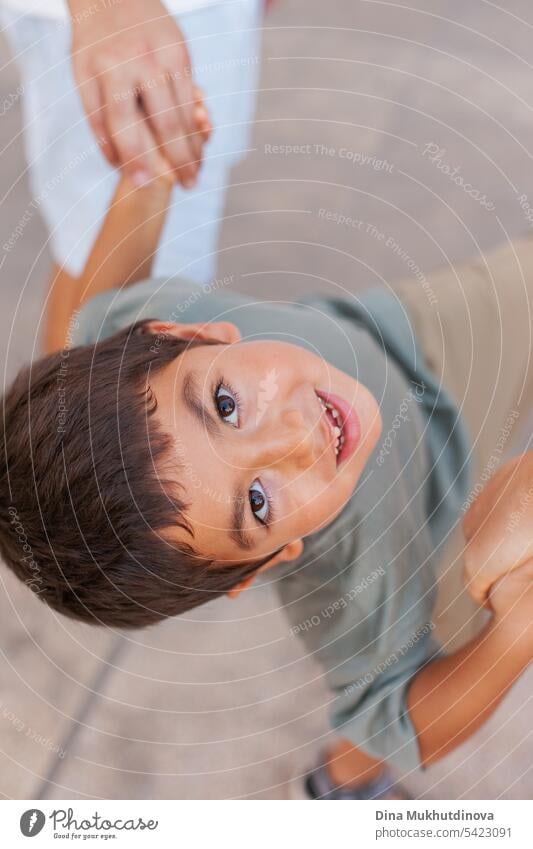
168, 299
369, 650
372, 711
114, 309
93, 321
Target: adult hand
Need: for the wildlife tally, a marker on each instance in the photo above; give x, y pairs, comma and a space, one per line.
499, 527
131, 65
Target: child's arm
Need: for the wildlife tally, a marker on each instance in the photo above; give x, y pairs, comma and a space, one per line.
124, 249
452, 696
121, 254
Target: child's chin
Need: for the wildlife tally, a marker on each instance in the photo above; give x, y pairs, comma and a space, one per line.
372, 428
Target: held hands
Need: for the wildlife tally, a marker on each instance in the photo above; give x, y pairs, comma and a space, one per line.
161, 171
499, 532
132, 68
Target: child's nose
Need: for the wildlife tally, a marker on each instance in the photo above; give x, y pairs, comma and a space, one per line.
287, 440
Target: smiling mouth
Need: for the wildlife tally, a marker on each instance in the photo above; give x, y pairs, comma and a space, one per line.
344, 424
336, 424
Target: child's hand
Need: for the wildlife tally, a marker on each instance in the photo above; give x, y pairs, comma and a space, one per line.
499, 527
511, 599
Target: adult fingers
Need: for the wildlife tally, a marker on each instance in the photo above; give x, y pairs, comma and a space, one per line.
160, 168
184, 92
201, 115
174, 57
90, 95
123, 120
167, 123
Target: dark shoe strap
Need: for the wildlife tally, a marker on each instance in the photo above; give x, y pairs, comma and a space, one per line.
319, 786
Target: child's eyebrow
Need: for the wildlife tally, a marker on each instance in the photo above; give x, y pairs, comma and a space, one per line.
193, 402
237, 532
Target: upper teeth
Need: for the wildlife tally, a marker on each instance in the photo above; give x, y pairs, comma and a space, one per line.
337, 431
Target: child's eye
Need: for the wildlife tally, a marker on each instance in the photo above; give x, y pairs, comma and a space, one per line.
259, 502
227, 406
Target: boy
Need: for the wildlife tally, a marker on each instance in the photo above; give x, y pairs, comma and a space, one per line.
188, 439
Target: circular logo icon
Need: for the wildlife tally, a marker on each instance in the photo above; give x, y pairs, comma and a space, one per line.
32, 822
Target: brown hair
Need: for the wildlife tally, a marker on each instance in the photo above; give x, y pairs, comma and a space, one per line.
83, 498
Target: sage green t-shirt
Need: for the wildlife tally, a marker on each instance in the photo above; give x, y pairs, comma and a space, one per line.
362, 593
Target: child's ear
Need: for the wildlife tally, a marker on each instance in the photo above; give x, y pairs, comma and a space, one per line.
291, 551
214, 331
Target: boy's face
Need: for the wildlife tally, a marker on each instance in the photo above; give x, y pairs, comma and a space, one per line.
259, 462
